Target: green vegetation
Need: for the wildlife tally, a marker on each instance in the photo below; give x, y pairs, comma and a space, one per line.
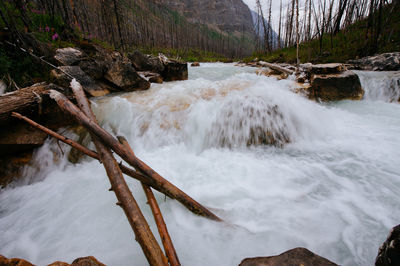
350, 43
188, 55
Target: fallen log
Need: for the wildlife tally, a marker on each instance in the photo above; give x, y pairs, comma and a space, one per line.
69, 108
26, 100
126, 170
276, 67
126, 201
161, 226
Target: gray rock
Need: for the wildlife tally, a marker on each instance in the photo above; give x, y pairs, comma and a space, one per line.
68, 56
124, 76
381, 62
296, 256
95, 68
142, 62
59, 77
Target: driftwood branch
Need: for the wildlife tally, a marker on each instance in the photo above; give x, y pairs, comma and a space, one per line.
161, 226
276, 67
128, 156
126, 201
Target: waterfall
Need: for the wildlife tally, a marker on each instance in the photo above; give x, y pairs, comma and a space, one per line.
382, 86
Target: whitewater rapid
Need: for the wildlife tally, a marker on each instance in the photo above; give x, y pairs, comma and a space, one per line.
331, 182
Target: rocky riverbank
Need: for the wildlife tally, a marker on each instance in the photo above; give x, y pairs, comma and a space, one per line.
99, 70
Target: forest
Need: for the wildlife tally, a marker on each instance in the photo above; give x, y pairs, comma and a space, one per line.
330, 30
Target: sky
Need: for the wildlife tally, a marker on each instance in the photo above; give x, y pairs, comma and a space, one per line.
275, 8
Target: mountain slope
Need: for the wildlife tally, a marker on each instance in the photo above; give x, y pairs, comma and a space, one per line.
231, 16
218, 26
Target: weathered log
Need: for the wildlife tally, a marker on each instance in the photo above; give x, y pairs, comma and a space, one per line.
276, 67
126, 201
126, 170
129, 156
161, 226
26, 100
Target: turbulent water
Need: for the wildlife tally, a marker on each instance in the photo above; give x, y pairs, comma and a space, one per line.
330, 182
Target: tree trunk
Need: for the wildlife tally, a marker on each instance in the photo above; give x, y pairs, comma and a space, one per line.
126, 201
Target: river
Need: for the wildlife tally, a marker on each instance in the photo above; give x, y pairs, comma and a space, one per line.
330, 184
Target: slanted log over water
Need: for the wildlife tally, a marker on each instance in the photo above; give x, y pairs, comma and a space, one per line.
161, 226
126, 201
128, 156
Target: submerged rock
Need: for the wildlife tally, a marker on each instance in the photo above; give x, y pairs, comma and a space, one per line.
296, 256
195, 64
251, 124
335, 87
381, 62
389, 252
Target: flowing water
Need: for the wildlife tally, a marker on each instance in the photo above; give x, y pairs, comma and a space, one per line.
330, 182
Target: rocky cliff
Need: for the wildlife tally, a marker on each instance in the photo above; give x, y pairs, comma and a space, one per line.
232, 16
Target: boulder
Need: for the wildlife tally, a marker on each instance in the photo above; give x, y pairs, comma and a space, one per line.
381, 62
195, 64
173, 69
13, 262
389, 252
296, 256
87, 261
121, 74
84, 261
59, 263
143, 62
59, 77
335, 87
68, 56
95, 68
